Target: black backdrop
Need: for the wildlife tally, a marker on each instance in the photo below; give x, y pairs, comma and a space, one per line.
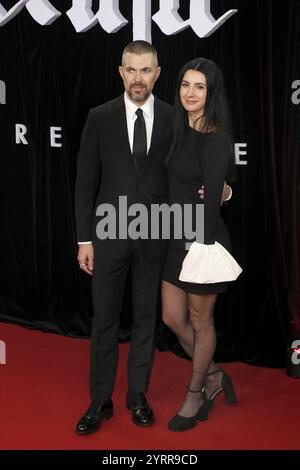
53, 76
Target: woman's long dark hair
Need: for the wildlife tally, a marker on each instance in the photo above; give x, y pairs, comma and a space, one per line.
216, 112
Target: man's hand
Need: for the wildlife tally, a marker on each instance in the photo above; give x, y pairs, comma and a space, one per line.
86, 258
225, 195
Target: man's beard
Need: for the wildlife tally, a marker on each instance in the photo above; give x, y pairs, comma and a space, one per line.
138, 97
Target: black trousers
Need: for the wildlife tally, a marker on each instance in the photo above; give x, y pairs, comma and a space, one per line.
109, 278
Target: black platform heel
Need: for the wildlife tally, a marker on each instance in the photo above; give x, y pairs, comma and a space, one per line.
226, 387
182, 423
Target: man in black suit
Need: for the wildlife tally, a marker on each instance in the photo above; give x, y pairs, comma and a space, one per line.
122, 153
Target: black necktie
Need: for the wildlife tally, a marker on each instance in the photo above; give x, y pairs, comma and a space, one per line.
139, 150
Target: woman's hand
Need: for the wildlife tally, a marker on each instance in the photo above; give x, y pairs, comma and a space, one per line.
226, 195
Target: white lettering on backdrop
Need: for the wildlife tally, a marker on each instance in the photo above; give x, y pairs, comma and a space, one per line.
111, 20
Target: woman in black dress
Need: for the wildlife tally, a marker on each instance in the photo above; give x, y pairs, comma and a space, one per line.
195, 273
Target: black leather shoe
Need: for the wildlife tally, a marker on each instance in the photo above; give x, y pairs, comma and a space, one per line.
90, 421
142, 415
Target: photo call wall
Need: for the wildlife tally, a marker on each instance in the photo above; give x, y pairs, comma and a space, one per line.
60, 58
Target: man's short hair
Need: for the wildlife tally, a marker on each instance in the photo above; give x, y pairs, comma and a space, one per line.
140, 47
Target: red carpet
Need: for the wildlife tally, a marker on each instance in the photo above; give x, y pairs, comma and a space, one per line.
44, 390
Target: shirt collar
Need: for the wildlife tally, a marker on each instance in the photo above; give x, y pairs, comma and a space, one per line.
147, 108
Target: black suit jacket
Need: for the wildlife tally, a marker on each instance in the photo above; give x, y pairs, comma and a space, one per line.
106, 170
